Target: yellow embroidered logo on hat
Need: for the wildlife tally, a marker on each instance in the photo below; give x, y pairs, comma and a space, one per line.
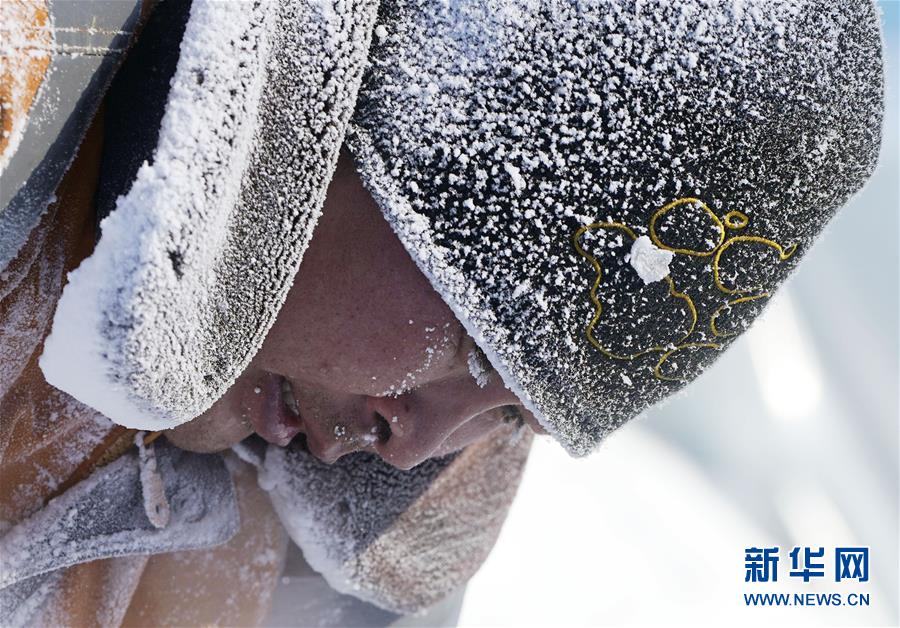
693, 338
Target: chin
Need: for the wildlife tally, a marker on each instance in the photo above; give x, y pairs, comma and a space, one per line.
207, 434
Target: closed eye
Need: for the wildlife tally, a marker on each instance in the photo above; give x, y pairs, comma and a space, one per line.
482, 371
513, 414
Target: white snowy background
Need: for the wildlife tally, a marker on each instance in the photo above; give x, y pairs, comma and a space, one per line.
792, 439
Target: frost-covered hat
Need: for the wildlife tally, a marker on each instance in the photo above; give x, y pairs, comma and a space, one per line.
202, 246
607, 192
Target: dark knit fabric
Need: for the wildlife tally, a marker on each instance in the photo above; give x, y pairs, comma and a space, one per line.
520, 151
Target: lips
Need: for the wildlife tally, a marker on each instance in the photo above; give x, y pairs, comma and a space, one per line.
273, 410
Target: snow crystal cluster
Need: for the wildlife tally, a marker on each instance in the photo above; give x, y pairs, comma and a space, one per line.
496, 134
649, 261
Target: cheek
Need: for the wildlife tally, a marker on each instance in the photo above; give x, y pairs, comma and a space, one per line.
471, 431
217, 429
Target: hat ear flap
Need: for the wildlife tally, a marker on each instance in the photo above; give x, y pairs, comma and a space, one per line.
198, 256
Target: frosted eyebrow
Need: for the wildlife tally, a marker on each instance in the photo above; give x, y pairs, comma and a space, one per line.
479, 366
480, 356
481, 369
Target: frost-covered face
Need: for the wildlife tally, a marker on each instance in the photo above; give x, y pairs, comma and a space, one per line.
364, 354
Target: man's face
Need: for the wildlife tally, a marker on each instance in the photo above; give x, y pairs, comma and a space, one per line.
364, 354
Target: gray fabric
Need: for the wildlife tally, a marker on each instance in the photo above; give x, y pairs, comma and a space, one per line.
104, 517
519, 149
195, 261
90, 39
402, 540
337, 510
19, 602
304, 598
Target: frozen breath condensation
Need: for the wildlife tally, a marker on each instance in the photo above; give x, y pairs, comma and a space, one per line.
401, 540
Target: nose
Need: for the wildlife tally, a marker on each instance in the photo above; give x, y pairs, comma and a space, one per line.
416, 424
359, 431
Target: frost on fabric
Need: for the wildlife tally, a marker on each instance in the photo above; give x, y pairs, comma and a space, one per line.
491, 132
26, 47
198, 256
156, 506
63, 430
401, 540
104, 516
114, 591
19, 603
28, 289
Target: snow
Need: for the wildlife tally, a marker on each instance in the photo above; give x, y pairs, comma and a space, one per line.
198, 256
649, 261
515, 175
